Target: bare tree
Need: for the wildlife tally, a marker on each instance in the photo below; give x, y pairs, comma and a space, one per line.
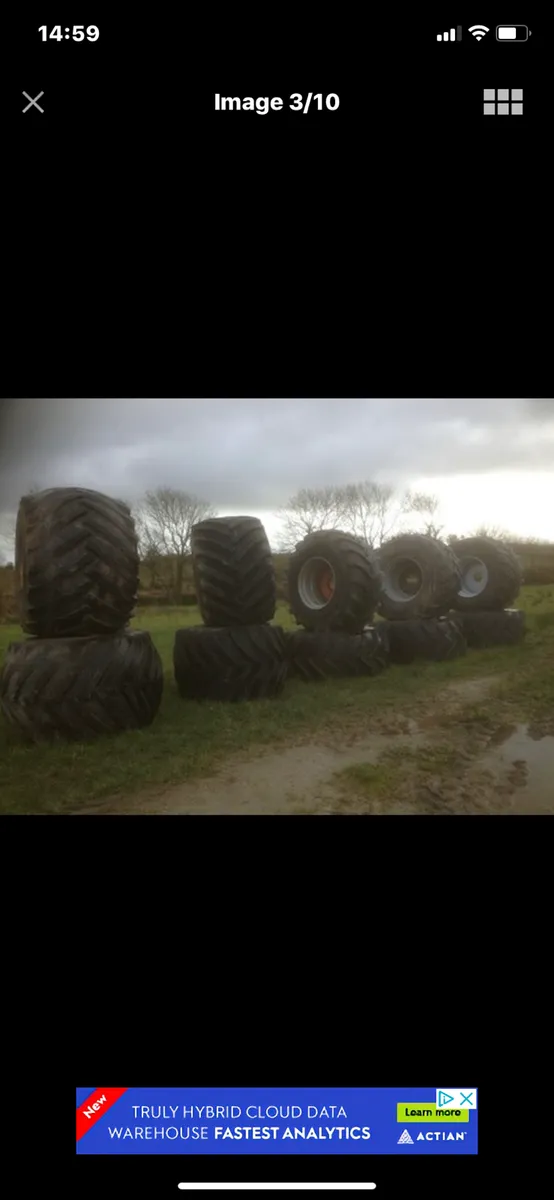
7, 536
307, 511
531, 541
149, 547
501, 535
426, 506
368, 510
7, 529
491, 531
164, 522
371, 511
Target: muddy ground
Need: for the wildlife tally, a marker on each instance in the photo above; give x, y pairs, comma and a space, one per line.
436, 759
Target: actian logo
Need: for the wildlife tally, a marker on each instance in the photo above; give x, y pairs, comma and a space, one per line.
405, 1139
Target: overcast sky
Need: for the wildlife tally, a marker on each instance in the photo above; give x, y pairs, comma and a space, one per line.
487, 460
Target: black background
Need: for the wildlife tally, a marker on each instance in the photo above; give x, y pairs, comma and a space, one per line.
154, 247
396, 246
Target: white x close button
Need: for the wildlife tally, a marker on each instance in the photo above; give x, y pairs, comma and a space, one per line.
33, 102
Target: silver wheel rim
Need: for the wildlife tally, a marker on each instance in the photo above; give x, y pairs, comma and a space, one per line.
475, 577
403, 580
309, 583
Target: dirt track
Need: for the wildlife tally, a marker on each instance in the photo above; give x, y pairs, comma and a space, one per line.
475, 772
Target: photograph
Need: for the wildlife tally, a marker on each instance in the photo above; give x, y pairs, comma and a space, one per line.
277, 607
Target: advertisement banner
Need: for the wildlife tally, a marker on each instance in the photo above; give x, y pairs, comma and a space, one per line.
267, 1121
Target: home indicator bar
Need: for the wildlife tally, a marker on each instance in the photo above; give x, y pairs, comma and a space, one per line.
277, 1187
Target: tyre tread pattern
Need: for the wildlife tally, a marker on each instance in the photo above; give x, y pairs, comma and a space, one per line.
331, 654
357, 582
437, 639
244, 663
80, 688
505, 575
233, 570
440, 571
482, 629
76, 564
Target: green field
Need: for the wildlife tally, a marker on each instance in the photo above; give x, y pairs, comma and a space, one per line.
189, 740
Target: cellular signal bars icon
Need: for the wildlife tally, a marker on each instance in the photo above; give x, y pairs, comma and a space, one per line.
455, 35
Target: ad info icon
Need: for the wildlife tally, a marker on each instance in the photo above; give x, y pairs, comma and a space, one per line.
459, 1098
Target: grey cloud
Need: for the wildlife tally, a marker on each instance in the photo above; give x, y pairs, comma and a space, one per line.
253, 454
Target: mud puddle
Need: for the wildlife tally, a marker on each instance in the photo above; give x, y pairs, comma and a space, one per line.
522, 763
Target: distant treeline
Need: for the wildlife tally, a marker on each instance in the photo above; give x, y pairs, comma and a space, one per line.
157, 581
537, 561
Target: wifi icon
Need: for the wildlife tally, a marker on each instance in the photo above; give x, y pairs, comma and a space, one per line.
478, 31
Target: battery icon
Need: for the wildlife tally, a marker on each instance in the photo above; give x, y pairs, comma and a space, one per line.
512, 33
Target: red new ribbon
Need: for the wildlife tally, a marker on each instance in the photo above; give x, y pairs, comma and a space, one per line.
91, 1111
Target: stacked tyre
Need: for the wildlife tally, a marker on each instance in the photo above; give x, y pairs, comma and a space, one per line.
437, 639
334, 585
490, 580
82, 672
439, 599
420, 580
237, 654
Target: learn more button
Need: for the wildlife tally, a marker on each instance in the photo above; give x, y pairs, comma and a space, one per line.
424, 1112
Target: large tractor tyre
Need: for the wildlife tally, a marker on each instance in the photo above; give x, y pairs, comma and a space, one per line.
491, 575
333, 582
81, 688
437, 639
76, 561
420, 577
233, 569
330, 654
482, 629
245, 663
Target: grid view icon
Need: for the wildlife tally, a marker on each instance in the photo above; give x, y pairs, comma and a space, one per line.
498, 102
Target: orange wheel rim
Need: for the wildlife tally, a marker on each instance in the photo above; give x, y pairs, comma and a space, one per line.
326, 584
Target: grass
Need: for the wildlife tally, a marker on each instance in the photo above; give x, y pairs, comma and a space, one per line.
381, 780
375, 781
189, 739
